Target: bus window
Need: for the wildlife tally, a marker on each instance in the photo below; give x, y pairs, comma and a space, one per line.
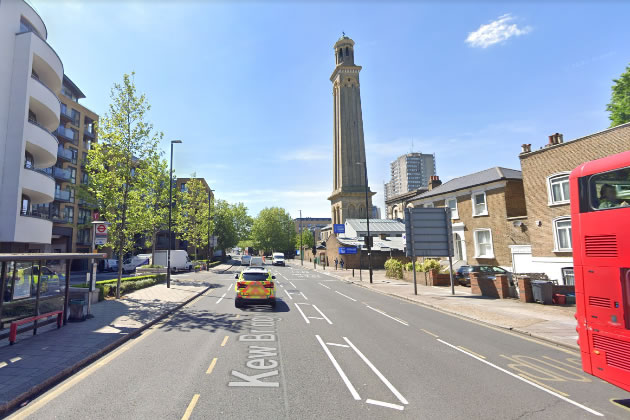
610, 190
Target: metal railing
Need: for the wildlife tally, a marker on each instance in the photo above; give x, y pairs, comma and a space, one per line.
65, 154
63, 133
62, 195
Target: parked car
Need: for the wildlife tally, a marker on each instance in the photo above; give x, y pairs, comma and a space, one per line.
278, 259
489, 271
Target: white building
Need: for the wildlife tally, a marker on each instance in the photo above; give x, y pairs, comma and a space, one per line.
409, 172
31, 75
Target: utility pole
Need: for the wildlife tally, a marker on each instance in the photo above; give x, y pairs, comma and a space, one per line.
301, 248
170, 211
367, 218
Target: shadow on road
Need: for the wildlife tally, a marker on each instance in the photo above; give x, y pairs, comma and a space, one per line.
281, 306
203, 320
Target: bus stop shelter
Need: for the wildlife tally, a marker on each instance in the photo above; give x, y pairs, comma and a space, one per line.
34, 285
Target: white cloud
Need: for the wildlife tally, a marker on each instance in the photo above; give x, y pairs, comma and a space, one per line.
495, 32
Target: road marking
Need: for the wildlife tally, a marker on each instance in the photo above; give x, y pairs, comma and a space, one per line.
347, 297
238, 315
388, 316
543, 384
338, 345
613, 400
15, 359
583, 407
214, 362
303, 295
384, 404
225, 340
2, 364
288, 294
230, 286
378, 373
345, 379
221, 298
325, 317
191, 407
304, 316
294, 286
429, 332
579, 369
324, 285
472, 352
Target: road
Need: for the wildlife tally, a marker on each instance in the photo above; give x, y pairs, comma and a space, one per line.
329, 350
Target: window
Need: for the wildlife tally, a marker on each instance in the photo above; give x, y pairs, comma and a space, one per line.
558, 189
451, 203
73, 175
562, 234
70, 193
480, 207
69, 213
483, 243
347, 52
83, 236
568, 276
75, 154
26, 204
84, 178
76, 117
29, 163
84, 216
608, 190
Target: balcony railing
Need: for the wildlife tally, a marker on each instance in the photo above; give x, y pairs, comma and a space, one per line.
49, 89
55, 172
62, 195
67, 135
89, 132
65, 154
35, 213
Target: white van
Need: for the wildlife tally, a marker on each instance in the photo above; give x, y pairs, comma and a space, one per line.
245, 259
256, 261
179, 260
130, 264
278, 259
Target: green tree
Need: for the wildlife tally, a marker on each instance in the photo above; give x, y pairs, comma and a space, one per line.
273, 230
192, 220
155, 179
115, 167
307, 239
619, 106
224, 226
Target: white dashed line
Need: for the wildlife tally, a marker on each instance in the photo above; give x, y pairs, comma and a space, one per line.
221, 298
324, 285
388, 316
347, 297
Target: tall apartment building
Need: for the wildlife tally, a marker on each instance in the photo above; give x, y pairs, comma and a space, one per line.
31, 75
409, 172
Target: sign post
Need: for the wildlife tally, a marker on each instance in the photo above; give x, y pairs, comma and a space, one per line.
99, 238
429, 233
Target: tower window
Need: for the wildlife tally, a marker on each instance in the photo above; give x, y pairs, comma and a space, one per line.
347, 53
340, 55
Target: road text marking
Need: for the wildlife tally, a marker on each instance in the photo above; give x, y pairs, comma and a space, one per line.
384, 404
378, 373
191, 407
345, 379
583, 407
225, 340
347, 297
389, 316
211, 367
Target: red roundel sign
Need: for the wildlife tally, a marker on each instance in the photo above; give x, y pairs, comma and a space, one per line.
101, 229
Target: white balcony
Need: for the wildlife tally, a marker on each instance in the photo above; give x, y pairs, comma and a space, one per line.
44, 103
32, 229
46, 63
38, 186
41, 144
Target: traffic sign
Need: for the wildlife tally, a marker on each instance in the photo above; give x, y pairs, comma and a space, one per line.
347, 250
100, 240
339, 228
101, 229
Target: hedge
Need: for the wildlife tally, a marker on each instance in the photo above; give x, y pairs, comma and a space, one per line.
394, 268
127, 284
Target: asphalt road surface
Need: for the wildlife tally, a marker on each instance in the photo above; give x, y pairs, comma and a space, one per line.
329, 350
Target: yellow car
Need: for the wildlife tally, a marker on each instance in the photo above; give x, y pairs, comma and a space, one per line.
255, 285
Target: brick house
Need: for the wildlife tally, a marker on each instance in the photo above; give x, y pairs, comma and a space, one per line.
488, 212
546, 182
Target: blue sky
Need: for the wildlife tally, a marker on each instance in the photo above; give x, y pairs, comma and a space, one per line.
246, 85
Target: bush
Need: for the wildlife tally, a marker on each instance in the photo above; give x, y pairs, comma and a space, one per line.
429, 265
127, 284
214, 264
151, 266
408, 266
394, 268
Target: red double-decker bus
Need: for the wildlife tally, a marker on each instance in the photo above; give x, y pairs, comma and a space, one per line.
600, 219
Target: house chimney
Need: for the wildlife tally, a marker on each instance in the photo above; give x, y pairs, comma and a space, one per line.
551, 140
560, 138
526, 148
434, 181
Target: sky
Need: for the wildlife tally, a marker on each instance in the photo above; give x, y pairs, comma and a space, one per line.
245, 85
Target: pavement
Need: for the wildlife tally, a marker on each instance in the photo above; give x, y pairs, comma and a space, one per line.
36, 362
548, 322
330, 349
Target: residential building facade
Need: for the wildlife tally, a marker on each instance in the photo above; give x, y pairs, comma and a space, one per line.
409, 172
314, 224
31, 75
488, 214
546, 184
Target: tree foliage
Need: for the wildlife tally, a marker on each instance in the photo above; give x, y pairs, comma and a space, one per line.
116, 166
307, 239
619, 106
156, 180
192, 222
273, 230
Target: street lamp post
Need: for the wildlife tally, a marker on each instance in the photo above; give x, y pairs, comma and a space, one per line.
367, 218
170, 211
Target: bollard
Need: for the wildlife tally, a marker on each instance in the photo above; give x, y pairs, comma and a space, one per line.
353, 272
